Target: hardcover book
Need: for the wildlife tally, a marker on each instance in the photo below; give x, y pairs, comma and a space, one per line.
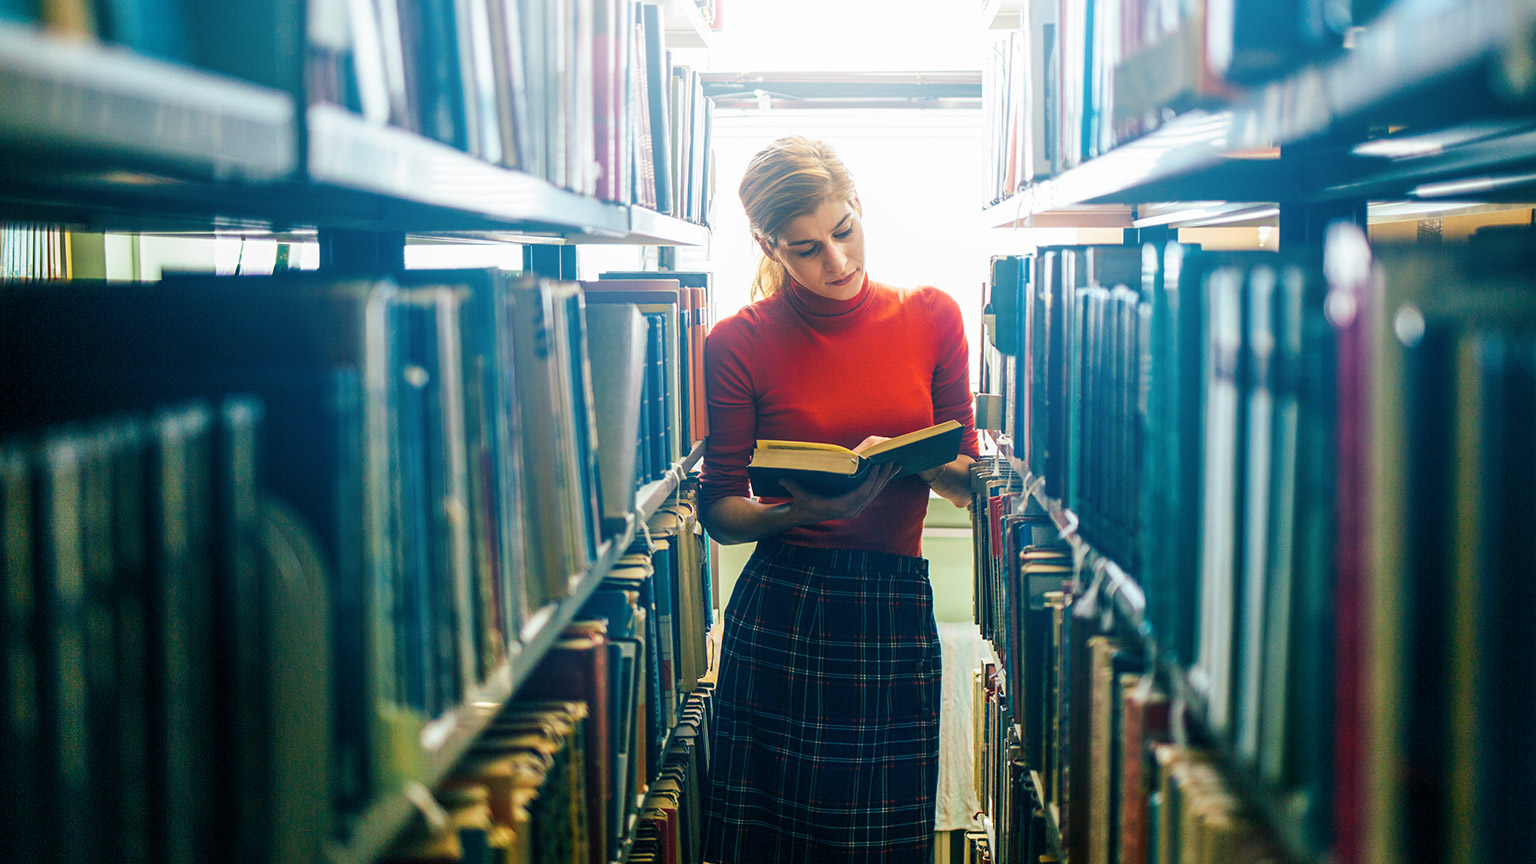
831, 469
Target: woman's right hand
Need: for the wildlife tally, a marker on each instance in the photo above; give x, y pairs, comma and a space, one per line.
810, 507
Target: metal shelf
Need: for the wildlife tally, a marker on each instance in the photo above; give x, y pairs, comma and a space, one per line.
448, 738
645, 224
69, 101
350, 154
1204, 155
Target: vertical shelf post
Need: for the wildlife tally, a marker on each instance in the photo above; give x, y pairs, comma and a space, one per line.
345, 250
550, 261
1305, 223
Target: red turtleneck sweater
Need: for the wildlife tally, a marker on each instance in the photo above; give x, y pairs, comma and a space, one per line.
797, 366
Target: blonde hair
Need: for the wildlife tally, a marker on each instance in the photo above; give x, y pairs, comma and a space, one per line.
790, 178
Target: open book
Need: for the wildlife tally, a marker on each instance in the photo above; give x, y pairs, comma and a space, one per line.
831, 470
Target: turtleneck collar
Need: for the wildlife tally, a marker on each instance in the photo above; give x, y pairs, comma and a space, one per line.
819, 309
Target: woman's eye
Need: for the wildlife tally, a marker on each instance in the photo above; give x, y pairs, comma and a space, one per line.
809, 253
844, 234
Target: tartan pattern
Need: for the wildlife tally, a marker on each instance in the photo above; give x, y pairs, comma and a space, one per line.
826, 736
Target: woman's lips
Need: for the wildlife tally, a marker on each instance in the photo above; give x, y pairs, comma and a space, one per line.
845, 280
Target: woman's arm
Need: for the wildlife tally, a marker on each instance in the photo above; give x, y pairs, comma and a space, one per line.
952, 480
744, 520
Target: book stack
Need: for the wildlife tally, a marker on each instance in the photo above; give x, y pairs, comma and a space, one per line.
1077, 79
671, 819
603, 749
427, 487
33, 252
674, 412
143, 577
1434, 377
1326, 607
1013, 101
581, 93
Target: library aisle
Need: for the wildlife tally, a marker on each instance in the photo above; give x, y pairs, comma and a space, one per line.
352, 408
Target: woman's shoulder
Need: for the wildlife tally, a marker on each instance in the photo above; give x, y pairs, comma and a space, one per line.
928, 300
744, 325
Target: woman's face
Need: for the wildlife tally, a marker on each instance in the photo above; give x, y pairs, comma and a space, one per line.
824, 250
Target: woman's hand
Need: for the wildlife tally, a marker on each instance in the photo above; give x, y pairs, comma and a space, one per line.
810, 508
869, 442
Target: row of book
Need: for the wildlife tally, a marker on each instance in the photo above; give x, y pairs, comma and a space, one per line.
606, 742
30, 251
1065, 330
432, 437
524, 794
678, 312
582, 93
1078, 78
1255, 440
1074, 754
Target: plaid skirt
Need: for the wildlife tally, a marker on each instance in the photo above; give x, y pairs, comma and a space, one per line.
826, 728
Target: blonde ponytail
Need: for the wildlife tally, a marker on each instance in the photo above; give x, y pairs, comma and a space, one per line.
771, 278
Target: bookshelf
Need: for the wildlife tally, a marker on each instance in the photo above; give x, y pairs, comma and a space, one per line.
1204, 154
447, 739
1422, 112
97, 138
1126, 607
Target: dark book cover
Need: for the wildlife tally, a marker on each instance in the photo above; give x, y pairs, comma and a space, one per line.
440, 84
584, 417
181, 678
20, 701
830, 470
658, 78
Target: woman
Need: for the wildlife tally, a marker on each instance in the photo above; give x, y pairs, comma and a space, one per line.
826, 721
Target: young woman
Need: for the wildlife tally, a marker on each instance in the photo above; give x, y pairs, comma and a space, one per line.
826, 726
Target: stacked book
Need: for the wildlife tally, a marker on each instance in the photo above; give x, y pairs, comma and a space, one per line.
1245, 433
263, 535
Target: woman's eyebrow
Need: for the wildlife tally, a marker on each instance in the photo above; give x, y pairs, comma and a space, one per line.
836, 228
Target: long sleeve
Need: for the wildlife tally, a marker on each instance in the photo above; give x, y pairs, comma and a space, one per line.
732, 412
952, 397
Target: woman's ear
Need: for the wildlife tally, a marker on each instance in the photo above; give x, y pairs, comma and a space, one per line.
762, 243
857, 207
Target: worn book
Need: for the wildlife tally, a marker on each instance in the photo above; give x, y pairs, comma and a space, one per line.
831, 469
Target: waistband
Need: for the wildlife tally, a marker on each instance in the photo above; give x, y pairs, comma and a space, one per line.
841, 560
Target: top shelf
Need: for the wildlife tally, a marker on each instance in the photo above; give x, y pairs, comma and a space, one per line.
99, 103
99, 137
1204, 155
